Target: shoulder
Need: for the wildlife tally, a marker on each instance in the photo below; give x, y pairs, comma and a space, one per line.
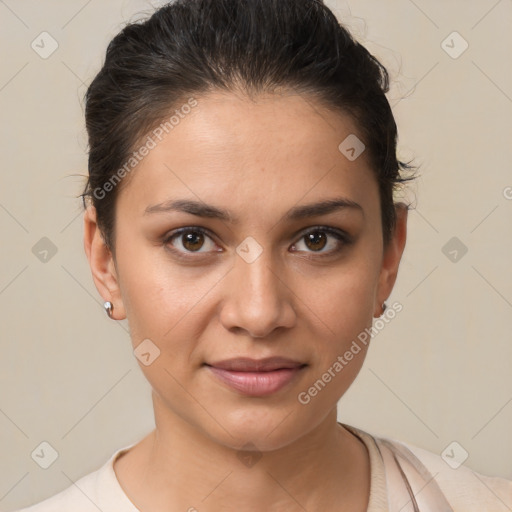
95, 491
466, 490
80, 497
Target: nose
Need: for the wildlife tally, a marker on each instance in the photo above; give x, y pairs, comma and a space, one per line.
258, 300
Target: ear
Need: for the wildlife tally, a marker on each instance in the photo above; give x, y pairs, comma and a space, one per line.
391, 258
102, 264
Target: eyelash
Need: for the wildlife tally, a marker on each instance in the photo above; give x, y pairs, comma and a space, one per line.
343, 238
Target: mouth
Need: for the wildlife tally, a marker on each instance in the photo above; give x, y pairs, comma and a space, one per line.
256, 377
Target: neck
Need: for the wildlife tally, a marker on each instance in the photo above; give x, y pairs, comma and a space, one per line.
328, 468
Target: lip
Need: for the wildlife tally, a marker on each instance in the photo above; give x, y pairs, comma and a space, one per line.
256, 377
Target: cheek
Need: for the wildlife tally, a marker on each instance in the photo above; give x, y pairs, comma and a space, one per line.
343, 299
163, 300
343, 311
146, 288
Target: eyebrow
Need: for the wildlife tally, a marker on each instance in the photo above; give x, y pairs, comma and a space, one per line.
201, 209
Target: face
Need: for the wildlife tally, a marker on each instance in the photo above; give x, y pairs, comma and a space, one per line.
243, 293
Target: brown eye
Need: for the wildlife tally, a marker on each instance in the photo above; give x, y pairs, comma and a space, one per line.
316, 240
190, 240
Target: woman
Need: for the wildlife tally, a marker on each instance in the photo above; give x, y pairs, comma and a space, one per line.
241, 216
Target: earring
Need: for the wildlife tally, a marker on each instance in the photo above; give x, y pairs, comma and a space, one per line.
109, 307
384, 307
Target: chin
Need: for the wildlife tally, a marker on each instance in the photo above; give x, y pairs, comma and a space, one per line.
267, 427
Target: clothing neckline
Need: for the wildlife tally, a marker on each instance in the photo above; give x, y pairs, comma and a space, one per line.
114, 486
378, 501
378, 495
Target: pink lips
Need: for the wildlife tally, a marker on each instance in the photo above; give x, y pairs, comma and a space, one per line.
256, 377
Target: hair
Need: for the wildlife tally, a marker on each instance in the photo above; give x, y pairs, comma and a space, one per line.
192, 47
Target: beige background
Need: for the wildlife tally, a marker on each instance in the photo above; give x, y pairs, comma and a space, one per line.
439, 372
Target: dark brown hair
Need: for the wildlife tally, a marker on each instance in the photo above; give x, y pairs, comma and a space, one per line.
192, 47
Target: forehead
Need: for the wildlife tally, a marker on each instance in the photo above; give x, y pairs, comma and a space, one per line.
272, 150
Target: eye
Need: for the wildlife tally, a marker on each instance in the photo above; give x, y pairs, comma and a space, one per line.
317, 239
321, 240
191, 240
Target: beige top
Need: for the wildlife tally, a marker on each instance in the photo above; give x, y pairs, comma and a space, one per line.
403, 478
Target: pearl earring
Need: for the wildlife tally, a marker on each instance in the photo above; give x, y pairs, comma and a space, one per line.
109, 307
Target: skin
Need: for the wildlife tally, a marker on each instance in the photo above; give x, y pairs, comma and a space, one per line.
258, 159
